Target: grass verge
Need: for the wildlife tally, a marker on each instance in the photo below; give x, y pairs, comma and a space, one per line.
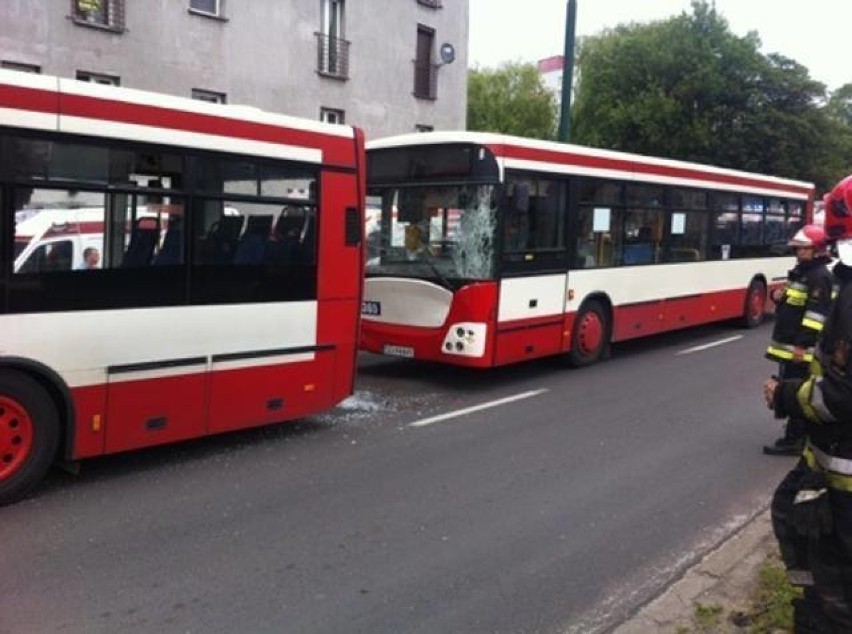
770, 609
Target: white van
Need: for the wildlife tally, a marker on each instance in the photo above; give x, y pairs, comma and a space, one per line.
55, 239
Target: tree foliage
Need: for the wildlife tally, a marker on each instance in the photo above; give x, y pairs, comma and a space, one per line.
689, 88
839, 105
510, 99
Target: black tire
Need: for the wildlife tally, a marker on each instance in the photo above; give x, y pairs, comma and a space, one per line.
754, 307
29, 434
590, 337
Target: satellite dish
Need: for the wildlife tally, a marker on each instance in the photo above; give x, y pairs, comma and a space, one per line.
448, 53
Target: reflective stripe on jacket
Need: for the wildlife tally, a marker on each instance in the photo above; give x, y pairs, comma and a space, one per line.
801, 312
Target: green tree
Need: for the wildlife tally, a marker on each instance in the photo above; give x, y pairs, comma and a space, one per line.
510, 99
839, 105
689, 88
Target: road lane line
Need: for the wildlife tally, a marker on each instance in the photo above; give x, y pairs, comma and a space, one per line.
476, 408
712, 344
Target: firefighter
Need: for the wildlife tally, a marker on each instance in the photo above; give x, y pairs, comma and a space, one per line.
801, 309
812, 508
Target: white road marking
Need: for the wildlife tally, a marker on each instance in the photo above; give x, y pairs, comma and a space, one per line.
712, 344
475, 408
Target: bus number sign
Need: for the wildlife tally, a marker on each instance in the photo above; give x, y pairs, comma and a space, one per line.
373, 309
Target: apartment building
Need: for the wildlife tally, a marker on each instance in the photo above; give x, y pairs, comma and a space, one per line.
384, 65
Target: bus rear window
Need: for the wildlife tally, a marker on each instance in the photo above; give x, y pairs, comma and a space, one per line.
20, 245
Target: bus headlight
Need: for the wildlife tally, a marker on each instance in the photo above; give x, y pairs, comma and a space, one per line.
465, 339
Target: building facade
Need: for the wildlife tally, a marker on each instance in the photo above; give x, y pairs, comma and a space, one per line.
382, 65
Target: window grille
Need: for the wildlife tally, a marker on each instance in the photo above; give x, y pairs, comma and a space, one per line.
332, 56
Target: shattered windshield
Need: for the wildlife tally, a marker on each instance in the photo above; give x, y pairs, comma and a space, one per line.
441, 233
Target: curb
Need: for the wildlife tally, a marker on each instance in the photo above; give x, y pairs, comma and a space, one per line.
725, 576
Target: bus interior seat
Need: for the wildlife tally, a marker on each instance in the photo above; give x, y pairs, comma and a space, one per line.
252, 245
640, 253
684, 254
307, 251
285, 243
143, 240
172, 250
222, 239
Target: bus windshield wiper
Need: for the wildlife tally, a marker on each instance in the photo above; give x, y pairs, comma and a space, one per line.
428, 259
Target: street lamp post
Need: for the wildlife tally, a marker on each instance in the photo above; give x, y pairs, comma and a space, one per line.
567, 72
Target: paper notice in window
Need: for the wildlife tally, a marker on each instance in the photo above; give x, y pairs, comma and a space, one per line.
678, 224
601, 220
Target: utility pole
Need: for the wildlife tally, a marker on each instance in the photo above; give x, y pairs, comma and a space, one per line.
567, 72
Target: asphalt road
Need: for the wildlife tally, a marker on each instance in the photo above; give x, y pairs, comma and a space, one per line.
560, 511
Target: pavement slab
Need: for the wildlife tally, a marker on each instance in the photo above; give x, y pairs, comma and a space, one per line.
726, 576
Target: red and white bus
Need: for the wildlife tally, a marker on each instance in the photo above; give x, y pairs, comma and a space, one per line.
487, 249
227, 290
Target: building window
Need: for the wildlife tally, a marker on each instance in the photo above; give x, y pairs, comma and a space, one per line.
432, 4
98, 78
99, 13
331, 115
209, 96
332, 48
425, 72
211, 7
24, 68
419, 127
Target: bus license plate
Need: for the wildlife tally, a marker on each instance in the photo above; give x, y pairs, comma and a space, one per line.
373, 309
399, 351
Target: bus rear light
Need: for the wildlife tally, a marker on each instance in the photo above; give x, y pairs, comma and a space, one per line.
96, 422
309, 387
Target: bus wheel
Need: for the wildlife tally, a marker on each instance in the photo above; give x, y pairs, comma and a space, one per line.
755, 304
591, 332
29, 434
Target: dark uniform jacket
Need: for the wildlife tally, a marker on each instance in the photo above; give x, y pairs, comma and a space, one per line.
801, 311
824, 399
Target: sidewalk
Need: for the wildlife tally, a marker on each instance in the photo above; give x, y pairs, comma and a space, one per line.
725, 577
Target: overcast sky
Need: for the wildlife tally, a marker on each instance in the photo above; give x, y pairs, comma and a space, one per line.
815, 33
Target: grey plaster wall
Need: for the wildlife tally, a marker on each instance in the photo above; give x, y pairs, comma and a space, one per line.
264, 54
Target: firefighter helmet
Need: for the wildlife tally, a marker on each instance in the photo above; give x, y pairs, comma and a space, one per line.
809, 236
838, 210
838, 218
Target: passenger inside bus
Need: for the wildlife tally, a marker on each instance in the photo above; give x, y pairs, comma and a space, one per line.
59, 256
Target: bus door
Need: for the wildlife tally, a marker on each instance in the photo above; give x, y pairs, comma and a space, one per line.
157, 380
533, 267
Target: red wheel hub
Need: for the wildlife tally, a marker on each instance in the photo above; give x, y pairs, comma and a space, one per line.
589, 333
756, 303
16, 436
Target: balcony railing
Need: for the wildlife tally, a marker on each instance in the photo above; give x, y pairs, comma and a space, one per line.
332, 56
425, 80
